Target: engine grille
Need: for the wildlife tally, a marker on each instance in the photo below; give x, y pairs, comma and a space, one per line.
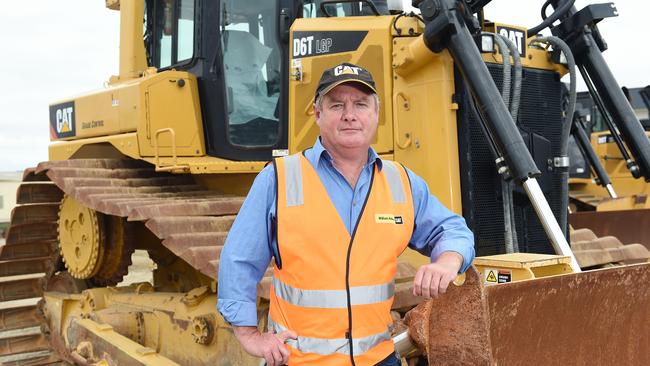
539, 121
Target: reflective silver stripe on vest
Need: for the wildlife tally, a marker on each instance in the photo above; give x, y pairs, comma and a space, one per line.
394, 181
333, 299
293, 180
324, 346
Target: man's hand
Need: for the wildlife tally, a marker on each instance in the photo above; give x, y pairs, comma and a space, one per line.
269, 346
433, 279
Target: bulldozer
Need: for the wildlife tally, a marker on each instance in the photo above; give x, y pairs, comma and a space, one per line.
606, 194
160, 159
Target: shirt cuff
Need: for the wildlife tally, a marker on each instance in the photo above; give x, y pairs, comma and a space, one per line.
238, 313
466, 252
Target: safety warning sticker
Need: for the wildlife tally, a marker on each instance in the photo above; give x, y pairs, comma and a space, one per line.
492, 276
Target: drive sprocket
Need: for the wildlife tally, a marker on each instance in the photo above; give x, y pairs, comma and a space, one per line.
93, 246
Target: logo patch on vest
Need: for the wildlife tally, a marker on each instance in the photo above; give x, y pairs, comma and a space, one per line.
388, 219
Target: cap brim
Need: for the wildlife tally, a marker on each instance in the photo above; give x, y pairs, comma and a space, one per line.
334, 85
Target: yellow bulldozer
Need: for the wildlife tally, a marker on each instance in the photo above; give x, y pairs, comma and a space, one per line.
605, 196
208, 92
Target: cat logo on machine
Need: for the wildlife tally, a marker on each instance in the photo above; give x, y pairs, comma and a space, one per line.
516, 36
62, 120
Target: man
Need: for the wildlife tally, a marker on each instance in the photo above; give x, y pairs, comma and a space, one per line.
334, 219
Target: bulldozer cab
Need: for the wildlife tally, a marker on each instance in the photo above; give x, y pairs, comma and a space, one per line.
237, 53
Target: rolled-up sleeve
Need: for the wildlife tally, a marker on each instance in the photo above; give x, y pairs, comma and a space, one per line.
247, 253
437, 229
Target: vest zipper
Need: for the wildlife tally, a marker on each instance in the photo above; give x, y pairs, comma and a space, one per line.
348, 334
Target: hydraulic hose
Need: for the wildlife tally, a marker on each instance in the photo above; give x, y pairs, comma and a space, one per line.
508, 48
516, 84
571, 65
505, 53
559, 12
568, 121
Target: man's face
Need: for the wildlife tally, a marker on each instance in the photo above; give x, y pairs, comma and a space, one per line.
348, 117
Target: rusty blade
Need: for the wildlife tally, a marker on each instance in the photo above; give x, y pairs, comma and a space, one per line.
599, 317
164, 226
219, 207
596, 317
453, 329
41, 192
22, 317
629, 226
25, 266
20, 344
27, 233
32, 213
28, 250
21, 289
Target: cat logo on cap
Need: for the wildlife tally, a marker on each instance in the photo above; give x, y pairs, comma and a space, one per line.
345, 69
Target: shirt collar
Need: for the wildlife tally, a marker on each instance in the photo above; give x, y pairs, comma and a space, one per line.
321, 153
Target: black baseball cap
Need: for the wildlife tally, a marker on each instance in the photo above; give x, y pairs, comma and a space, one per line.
344, 73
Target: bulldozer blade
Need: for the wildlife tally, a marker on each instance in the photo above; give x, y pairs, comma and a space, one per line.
22, 317
629, 226
596, 317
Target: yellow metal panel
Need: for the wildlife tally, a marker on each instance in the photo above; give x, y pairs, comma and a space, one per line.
374, 53
536, 57
171, 101
142, 355
133, 59
521, 260
124, 144
426, 138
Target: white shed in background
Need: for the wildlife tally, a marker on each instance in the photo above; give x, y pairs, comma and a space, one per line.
9, 182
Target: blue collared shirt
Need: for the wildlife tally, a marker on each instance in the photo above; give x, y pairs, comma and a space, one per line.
251, 243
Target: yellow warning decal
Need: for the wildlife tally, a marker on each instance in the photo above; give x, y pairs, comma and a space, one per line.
491, 276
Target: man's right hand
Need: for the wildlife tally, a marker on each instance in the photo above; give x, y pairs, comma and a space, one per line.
269, 346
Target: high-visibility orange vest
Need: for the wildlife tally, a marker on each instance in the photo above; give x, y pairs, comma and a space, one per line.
335, 290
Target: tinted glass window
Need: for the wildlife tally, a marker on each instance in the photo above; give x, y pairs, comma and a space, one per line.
251, 59
175, 29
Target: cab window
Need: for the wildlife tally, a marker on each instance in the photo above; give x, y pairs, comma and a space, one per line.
175, 32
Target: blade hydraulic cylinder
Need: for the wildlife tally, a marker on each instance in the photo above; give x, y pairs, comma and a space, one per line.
578, 29
580, 135
446, 28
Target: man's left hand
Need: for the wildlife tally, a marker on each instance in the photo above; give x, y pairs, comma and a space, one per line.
433, 279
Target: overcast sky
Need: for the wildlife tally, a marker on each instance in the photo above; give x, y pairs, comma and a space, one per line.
52, 50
